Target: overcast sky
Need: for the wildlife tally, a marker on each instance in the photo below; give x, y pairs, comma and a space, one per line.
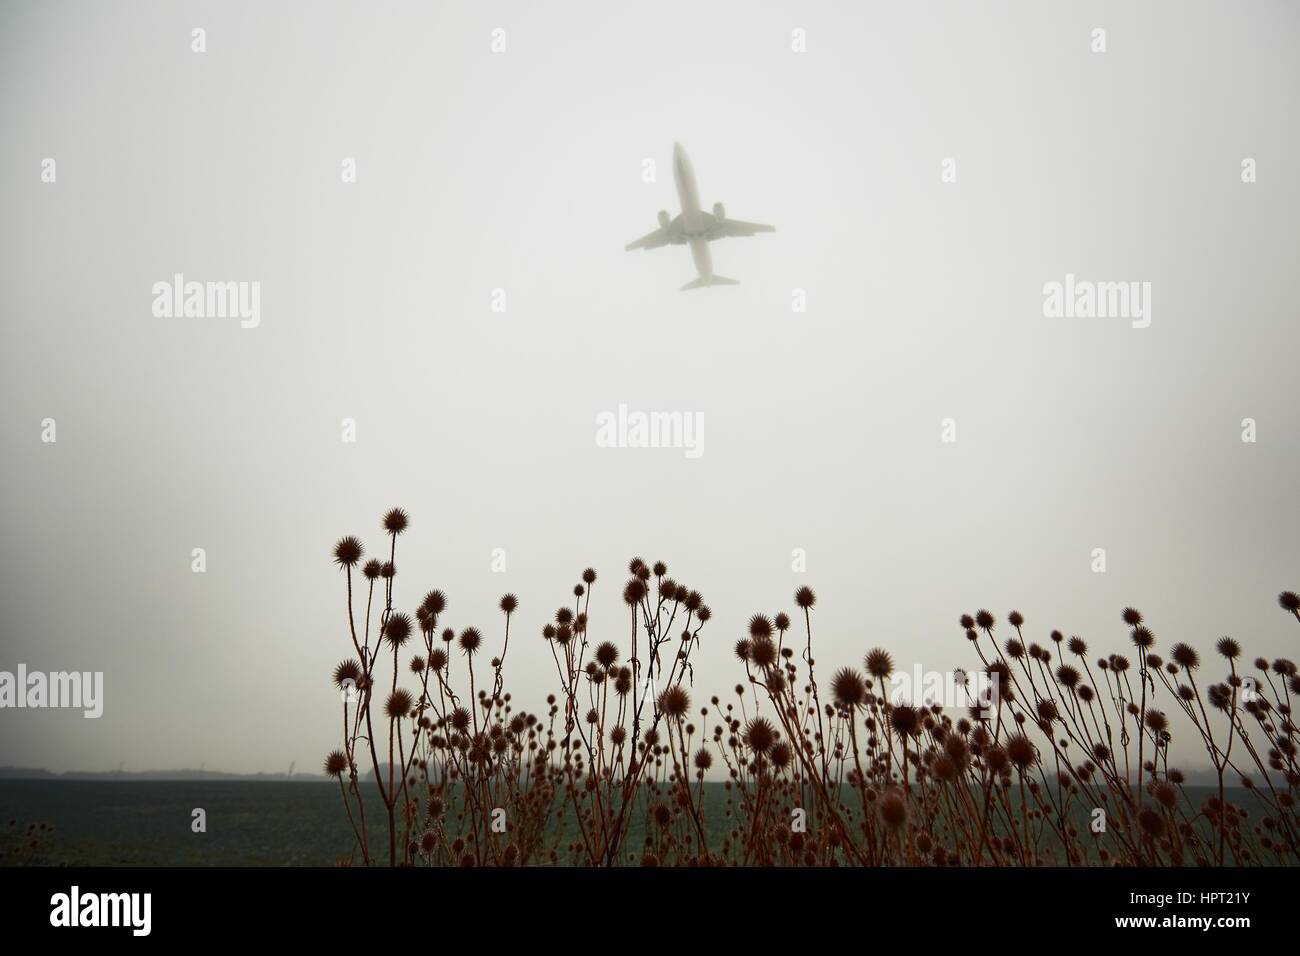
523, 171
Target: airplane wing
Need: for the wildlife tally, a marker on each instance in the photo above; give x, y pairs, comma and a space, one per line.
651, 240
736, 228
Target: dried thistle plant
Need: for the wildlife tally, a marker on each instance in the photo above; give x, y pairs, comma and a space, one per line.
614, 771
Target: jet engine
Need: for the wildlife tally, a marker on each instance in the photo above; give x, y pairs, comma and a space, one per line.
719, 210
664, 218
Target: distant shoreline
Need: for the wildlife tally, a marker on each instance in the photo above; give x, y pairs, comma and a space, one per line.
147, 776
1194, 778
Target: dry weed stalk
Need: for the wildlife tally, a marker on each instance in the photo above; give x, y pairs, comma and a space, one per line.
614, 770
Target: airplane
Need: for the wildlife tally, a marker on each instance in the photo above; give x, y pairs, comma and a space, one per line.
694, 226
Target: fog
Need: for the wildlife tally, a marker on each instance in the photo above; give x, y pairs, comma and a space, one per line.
467, 305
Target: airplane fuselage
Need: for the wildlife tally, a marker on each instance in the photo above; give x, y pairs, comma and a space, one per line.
693, 220
694, 227
688, 191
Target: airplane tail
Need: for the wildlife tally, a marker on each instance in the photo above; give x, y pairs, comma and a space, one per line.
701, 282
